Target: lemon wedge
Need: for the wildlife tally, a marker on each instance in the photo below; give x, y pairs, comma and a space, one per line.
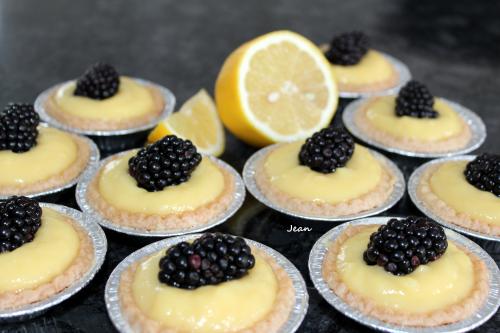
196, 120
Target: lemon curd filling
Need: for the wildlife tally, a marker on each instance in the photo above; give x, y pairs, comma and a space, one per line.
372, 68
54, 152
132, 100
361, 174
55, 246
430, 287
381, 113
449, 184
120, 189
227, 307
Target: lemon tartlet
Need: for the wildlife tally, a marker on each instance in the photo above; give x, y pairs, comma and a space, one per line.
444, 188
358, 68
36, 158
432, 128
361, 182
120, 191
256, 297
54, 252
444, 290
120, 103
60, 158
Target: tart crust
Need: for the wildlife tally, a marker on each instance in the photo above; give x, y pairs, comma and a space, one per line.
448, 213
452, 313
57, 180
185, 220
282, 306
81, 123
372, 199
452, 143
79, 266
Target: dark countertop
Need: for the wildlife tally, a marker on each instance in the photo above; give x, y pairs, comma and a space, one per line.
453, 46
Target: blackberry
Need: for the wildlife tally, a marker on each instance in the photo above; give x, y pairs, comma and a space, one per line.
347, 48
100, 81
484, 173
20, 218
402, 245
18, 127
209, 260
415, 100
169, 161
327, 150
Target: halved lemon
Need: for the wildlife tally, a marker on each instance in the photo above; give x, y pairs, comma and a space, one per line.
196, 120
277, 87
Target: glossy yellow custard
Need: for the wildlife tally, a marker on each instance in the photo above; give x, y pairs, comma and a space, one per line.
361, 174
381, 113
449, 184
121, 191
227, 307
372, 68
132, 100
54, 152
52, 251
430, 287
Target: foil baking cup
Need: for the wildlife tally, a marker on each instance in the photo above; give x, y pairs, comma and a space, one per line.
111, 139
487, 310
49, 193
87, 208
99, 243
476, 125
413, 183
251, 168
112, 294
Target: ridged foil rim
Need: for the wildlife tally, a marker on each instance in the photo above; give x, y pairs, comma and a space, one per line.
476, 125
413, 183
487, 310
112, 297
94, 157
99, 243
404, 76
251, 166
167, 95
86, 207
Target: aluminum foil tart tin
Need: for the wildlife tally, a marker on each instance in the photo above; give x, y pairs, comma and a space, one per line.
112, 297
50, 193
100, 246
87, 208
413, 183
111, 139
251, 167
476, 125
488, 309
401, 69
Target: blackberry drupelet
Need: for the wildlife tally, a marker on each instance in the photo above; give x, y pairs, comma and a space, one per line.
18, 127
20, 218
209, 260
169, 161
415, 100
484, 173
100, 81
327, 150
402, 245
348, 48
